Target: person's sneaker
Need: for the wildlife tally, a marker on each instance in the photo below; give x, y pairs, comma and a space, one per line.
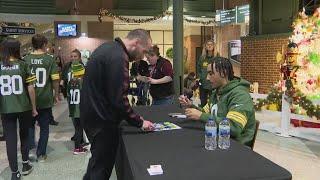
26, 168
80, 150
16, 176
53, 123
32, 155
42, 158
85, 145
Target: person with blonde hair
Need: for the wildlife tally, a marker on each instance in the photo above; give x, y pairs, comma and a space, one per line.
208, 53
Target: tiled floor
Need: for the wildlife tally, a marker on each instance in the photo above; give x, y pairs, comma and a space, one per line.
300, 157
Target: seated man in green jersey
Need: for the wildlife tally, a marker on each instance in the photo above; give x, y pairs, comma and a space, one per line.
230, 98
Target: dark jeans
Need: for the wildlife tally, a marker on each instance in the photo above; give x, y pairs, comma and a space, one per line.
51, 118
78, 135
103, 149
9, 122
143, 93
204, 95
163, 101
43, 120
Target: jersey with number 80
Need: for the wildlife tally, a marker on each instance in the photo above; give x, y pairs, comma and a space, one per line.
13, 80
11, 85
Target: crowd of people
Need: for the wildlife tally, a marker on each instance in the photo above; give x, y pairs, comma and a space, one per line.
97, 96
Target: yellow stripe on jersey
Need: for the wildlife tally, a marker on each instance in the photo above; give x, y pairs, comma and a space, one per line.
237, 117
31, 79
55, 76
206, 108
78, 73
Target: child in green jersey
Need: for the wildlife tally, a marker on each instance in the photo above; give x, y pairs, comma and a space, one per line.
72, 81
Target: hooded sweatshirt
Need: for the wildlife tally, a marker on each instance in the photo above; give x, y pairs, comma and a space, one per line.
234, 102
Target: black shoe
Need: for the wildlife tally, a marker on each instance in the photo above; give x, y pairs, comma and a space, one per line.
2, 138
42, 158
53, 123
26, 168
73, 138
16, 176
85, 145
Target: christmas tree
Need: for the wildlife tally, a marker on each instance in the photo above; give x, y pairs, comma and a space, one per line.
306, 35
300, 68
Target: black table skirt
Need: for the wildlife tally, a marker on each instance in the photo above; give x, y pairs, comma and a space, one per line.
183, 156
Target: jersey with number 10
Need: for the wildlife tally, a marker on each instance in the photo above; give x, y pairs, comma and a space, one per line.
73, 95
14, 80
45, 69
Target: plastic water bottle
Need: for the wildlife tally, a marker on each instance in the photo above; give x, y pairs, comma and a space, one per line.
211, 134
224, 134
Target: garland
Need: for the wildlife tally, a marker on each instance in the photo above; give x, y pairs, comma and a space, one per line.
105, 12
296, 98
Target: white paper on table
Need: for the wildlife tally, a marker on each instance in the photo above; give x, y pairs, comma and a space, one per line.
155, 170
182, 116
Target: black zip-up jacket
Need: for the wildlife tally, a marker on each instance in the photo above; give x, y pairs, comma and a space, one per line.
104, 102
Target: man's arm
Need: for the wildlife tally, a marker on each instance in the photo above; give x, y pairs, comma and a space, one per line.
117, 84
55, 77
168, 74
32, 95
240, 107
163, 80
56, 90
30, 81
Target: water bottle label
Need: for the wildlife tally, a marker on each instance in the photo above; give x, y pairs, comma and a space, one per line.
224, 131
211, 131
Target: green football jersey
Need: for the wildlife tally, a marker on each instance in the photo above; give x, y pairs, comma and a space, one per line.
73, 96
14, 80
66, 73
45, 69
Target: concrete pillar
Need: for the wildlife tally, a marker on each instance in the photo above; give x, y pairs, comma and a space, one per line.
178, 46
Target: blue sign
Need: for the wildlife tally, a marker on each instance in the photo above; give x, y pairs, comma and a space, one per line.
67, 30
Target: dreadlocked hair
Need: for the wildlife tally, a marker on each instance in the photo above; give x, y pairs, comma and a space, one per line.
224, 67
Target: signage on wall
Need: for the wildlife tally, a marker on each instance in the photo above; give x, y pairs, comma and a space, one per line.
235, 49
227, 16
243, 13
14, 30
240, 14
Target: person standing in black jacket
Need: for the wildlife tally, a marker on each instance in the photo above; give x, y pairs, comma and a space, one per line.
104, 102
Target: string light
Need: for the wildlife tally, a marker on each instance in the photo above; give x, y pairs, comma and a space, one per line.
105, 12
